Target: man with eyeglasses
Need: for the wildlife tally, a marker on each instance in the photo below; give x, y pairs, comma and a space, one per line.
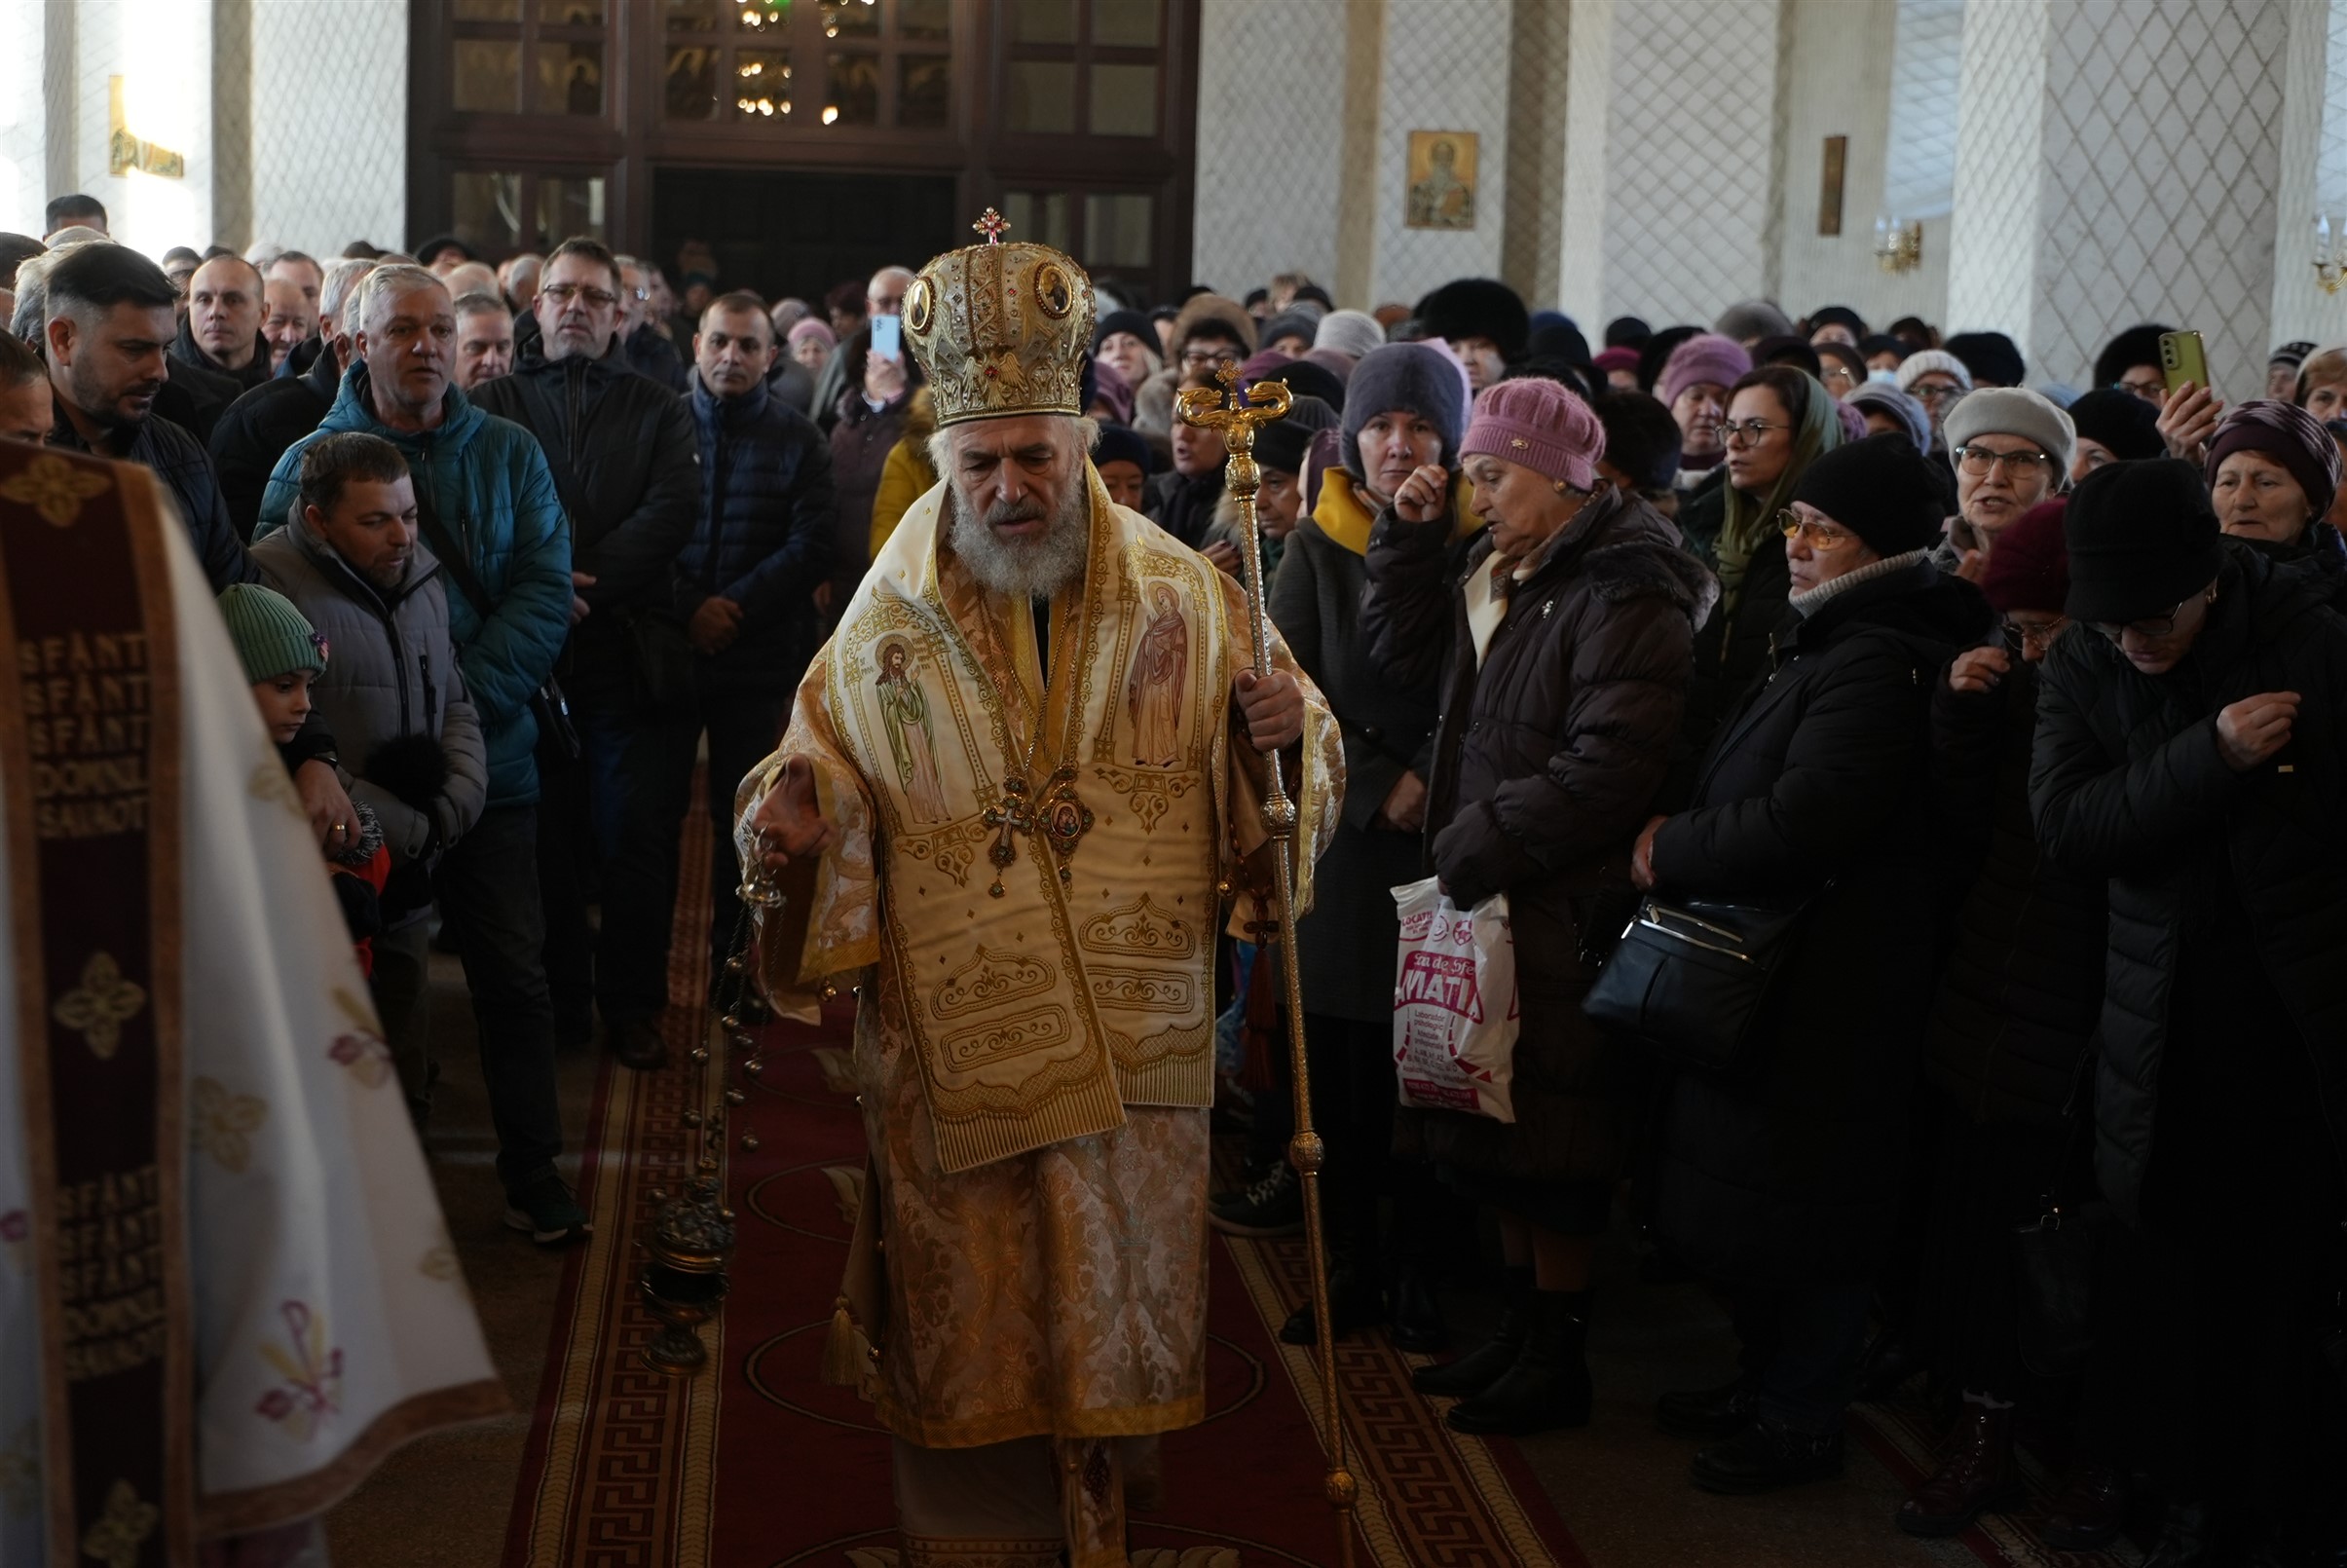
1211, 332
649, 351
2012, 449
1937, 379
622, 450
2190, 750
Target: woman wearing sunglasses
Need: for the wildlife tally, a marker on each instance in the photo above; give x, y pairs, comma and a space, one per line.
1785, 1186
2192, 749
1780, 421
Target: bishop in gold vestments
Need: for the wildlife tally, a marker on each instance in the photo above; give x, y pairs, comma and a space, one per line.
1017, 803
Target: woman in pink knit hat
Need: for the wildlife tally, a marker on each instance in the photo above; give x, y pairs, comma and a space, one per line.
1564, 633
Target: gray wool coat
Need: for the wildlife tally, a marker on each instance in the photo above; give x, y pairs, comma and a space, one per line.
1346, 946
390, 671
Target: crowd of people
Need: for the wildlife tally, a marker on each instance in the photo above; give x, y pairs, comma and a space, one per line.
2022, 705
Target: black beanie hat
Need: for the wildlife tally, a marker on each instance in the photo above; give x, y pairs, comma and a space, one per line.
1558, 340
1307, 379
1881, 489
1414, 376
1476, 308
1627, 332
1991, 356
1788, 350
1837, 316
1121, 443
1656, 352
2141, 537
2120, 421
2137, 346
1133, 321
1282, 443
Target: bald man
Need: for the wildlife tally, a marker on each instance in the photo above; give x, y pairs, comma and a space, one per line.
222, 333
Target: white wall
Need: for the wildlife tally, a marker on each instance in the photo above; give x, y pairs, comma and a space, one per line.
23, 132
1445, 69
164, 54
1270, 113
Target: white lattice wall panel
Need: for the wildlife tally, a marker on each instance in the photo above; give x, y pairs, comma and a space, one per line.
1269, 128
2308, 137
329, 124
2001, 118
1445, 68
2151, 212
1689, 208
1589, 119
23, 129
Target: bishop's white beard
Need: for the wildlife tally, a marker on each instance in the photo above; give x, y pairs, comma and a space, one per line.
1034, 568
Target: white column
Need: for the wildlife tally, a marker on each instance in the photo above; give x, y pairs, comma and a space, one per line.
1589, 119
1995, 231
2313, 174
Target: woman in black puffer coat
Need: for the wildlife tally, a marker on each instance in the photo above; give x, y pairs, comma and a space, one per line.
2200, 764
1568, 627
2006, 1047
1785, 1184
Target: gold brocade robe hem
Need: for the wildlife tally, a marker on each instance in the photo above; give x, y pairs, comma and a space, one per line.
1033, 1070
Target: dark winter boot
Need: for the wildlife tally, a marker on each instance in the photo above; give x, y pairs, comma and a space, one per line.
1480, 1367
1978, 1475
1548, 1386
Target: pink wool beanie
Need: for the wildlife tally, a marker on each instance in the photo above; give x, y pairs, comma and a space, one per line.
1541, 425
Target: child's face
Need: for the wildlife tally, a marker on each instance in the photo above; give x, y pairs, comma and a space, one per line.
285, 703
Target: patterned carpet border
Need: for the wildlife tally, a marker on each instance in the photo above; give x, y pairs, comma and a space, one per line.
617, 1471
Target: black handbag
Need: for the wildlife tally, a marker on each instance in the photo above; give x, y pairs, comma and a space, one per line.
1689, 980
556, 734
2055, 1259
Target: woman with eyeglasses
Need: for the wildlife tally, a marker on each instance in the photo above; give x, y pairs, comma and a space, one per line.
1779, 421
1786, 1186
1557, 644
2192, 749
2012, 449
1937, 379
2018, 1001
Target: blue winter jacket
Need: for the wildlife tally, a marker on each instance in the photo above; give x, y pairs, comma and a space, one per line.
765, 535
490, 484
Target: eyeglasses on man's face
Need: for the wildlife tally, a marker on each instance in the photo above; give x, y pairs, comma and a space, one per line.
2151, 389
1821, 537
1980, 462
602, 299
2151, 628
1200, 359
1751, 431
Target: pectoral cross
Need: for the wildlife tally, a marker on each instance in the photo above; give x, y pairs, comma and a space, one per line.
1057, 814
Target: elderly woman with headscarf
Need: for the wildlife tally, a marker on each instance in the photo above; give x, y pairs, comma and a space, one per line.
2273, 471
1784, 1180
1563, 634
1779, 421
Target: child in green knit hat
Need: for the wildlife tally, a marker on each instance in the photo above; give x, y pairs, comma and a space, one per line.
282, 653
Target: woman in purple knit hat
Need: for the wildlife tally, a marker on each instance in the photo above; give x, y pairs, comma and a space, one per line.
1562, 634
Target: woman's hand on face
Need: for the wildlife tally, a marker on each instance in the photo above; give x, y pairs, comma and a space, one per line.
1642, 854
1978, 670
2187, 418
1425, 495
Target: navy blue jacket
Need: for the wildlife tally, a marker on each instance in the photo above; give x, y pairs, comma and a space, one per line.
179, 461
765, 536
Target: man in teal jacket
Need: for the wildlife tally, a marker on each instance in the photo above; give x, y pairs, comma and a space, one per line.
488, 510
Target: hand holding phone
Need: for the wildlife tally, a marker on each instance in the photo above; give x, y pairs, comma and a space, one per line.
2183, 357
888, 336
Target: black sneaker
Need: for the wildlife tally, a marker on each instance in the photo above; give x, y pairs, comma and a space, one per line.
1272, 1207
1765, 1458
545, 1208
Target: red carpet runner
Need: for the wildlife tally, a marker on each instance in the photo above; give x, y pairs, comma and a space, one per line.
755, 1464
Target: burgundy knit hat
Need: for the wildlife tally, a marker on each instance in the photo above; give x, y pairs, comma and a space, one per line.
2029, 567
2292, 437
1540, 424
1706, 357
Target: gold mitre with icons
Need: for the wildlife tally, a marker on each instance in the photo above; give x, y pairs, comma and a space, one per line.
1001, 329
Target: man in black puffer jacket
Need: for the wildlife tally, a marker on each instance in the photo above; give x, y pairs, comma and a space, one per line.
2192, 747
745, 590
622, 450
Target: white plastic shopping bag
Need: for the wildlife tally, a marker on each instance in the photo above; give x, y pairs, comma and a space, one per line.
1454, 1004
